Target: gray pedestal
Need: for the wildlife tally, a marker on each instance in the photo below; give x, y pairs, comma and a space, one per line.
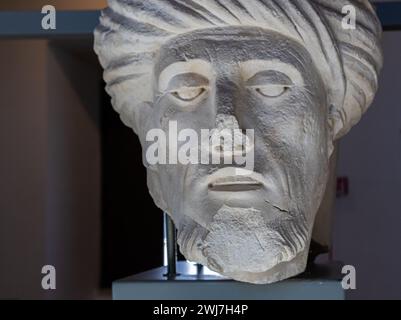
320, 283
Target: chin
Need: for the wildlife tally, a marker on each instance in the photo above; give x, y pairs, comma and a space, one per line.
242, 245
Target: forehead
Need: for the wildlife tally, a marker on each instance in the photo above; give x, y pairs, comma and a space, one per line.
221, 46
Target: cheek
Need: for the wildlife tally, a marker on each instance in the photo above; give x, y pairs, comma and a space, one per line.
293, 130
197, 116
290, 118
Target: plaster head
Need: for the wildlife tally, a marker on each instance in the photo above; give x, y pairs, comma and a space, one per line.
240, 103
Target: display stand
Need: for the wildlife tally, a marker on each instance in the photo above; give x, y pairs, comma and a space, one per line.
195, 284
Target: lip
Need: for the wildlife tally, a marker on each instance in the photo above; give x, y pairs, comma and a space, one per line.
235, 180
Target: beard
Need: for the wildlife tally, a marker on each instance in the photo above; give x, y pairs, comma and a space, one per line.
242, 244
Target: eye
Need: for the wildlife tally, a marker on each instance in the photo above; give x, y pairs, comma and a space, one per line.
272, 91
188, 94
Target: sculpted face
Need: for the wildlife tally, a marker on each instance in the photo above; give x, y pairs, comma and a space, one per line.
243, 224
237, 105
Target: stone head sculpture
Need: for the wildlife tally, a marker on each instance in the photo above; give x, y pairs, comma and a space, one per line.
284, 70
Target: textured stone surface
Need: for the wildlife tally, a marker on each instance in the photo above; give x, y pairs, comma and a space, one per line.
286, 70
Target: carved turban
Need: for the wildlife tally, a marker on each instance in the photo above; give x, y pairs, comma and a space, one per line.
131, 33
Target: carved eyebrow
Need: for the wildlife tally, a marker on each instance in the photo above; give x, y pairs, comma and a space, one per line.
251, 68
200, 68
269, 77
187, 80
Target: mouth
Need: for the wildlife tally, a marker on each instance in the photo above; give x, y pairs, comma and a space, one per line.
235, 180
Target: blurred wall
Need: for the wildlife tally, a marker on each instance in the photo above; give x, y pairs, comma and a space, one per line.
68, 4
59, 4
23, 168
74, 186
50, 171
368, 221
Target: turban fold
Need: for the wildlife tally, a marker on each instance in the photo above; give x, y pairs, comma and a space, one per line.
131, 33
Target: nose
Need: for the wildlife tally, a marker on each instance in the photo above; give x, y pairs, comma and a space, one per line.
228, 140
226, 96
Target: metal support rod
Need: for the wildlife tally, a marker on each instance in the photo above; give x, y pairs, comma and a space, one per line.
199, 269
171, 248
